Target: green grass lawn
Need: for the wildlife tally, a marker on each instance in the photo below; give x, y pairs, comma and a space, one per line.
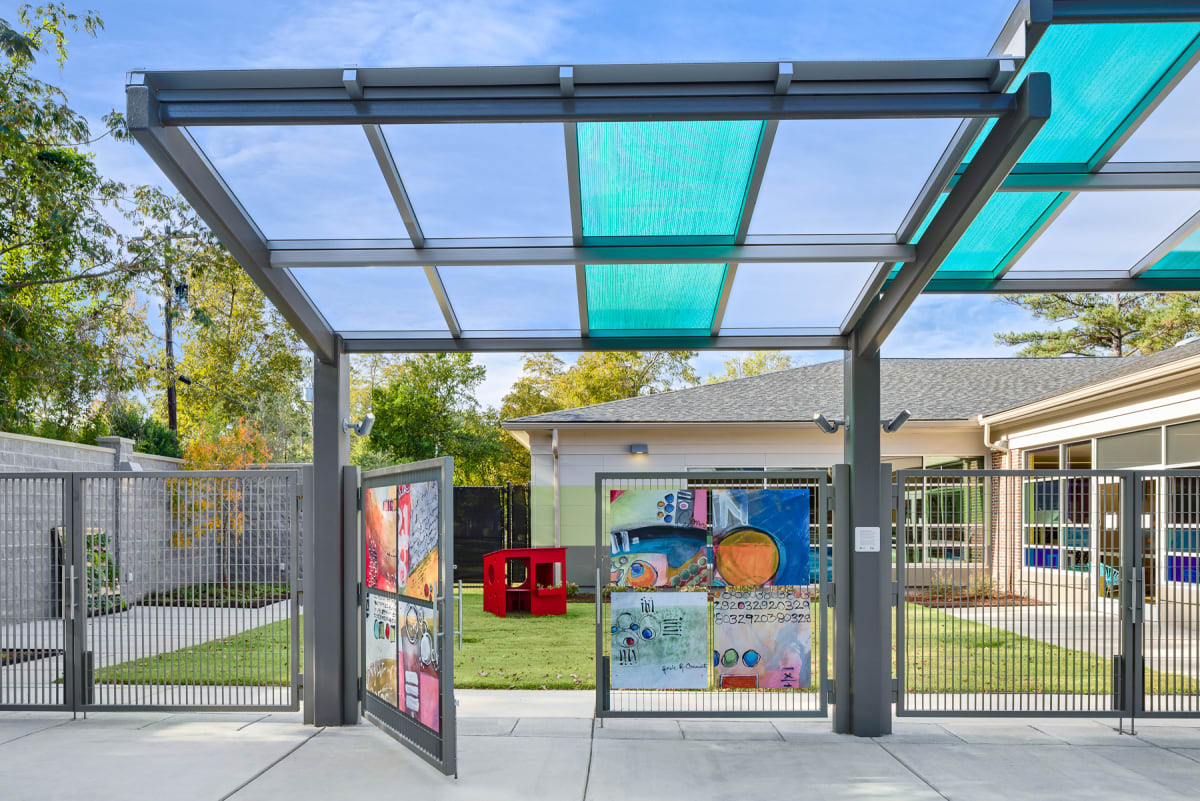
945, 654
524, 652
255, 658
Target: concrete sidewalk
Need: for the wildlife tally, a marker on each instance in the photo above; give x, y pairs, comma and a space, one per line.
568, 755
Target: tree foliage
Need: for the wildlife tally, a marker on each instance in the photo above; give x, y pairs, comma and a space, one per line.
548, 383
1093, 324
427, 408
79, 253
756, 363
241, 360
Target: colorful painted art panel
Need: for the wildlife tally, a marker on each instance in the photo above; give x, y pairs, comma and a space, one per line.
381, 648
419, 661
418, 512
760, 537
762, 639
659, 538
379, 524
659, 641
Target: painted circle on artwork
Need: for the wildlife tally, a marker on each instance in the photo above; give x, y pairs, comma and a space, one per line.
746, 556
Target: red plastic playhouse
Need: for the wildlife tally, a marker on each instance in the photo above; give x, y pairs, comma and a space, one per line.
543, 591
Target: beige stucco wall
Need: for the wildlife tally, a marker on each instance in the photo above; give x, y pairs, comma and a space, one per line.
585, 452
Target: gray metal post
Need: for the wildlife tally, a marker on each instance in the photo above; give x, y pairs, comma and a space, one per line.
869, 591
331, 451
351, 598
306, 573
843, 550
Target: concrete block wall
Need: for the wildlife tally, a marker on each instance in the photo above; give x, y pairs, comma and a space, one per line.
153, 546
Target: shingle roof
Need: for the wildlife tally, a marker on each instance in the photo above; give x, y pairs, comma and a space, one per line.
931, 389
1121, 368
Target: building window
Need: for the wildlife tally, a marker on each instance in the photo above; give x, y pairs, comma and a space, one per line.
945, 518
1183, 529
1057, 509
1183, 444
1134, 449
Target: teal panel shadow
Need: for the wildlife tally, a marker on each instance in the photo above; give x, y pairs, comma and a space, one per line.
1101, 77
1182, 262
665, 179
672, 298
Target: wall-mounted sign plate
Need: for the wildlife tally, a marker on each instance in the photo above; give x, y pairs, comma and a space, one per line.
866, 539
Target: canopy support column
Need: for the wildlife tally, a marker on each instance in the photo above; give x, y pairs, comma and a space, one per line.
333, 639
863, 609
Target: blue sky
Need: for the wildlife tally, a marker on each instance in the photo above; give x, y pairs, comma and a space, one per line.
834, 176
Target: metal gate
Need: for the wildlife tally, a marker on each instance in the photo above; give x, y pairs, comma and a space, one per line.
1047, 592
406, 631
166, 591
677, 637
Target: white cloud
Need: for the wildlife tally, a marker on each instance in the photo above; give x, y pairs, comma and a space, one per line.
377, 32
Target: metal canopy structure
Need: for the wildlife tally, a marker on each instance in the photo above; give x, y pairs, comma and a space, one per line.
663, 179
664, 165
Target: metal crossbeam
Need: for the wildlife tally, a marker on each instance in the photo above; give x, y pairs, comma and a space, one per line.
511, 342
182, 161
1033, 281
1112, 177
378, 253
999, 152
1166, 246
746, 91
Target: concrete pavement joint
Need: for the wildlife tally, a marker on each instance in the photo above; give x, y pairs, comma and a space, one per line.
262, 772
38, 731
587, 776
910, 769
251, 723
778, 733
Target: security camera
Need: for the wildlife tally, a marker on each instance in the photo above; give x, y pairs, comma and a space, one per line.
825, 424
893, 425
362, 428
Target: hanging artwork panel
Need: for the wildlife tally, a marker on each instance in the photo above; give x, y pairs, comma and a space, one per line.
659, 538
761, 537
379, 529
380, 647
417, 540
762, 638
659, 640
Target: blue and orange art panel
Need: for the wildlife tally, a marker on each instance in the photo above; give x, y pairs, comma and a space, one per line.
761, 537
659, 538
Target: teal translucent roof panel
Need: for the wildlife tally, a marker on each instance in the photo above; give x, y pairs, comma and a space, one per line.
670, 298
373, 298
1101, 77
1108, 230
813, 182
527, 298
665, 179
1182, 262
794, 295
304, 181
484, 180
1002, 227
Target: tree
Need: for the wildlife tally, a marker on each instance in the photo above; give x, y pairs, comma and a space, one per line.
428, 409
72, 332
757, 363
1118, 324
548, 384
240, 359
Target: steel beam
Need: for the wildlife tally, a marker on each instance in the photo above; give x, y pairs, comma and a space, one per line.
343, 253
516, 342
571, 148
443, 300
999, 152
867, 620
1031, 281
186, 166
395, 184
1166, 246
1112, 177
325, 585
1082, 12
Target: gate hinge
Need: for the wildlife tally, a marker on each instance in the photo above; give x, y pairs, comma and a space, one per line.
895, 491
361, 600
830, 494
830, 690
358, 496
895, 691
359, 685
895, 593
830, 594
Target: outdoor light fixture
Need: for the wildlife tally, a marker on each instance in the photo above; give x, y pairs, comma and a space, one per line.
361, 428
639, 448
825, 424
893, 425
